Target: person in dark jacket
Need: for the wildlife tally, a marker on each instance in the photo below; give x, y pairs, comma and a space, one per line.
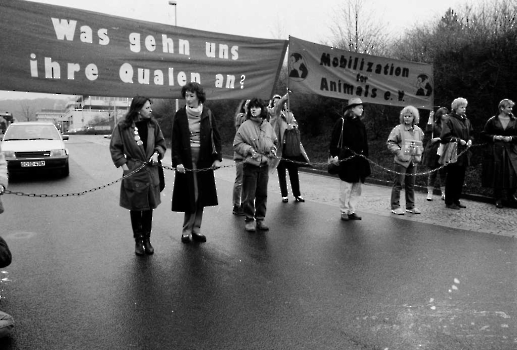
136, 145
500, 160
349, 148
432, 139
196, 144
456, 127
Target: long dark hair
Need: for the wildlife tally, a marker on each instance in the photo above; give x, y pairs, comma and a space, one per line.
255, 102
137, 104
438, 116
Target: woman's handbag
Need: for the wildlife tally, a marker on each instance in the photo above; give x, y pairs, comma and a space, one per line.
333, 168
450, 153
161, 175
292, 143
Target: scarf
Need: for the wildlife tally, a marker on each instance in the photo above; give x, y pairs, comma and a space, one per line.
194, 124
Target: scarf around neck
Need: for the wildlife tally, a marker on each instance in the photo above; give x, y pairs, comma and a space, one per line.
194, 112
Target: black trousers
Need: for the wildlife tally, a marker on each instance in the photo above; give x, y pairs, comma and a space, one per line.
454, 183
292, 168
141, 222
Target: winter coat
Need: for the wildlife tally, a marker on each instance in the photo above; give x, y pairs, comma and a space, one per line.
254, 136
454, 128
403, 154
183, 195
140, 191
500, 157
357, 168
5, 254
430, 157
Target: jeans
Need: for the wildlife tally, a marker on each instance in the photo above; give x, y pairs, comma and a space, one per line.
293, 176
237, 186
403, 175
254, 191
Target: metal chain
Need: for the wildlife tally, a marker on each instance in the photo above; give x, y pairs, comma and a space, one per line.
18, 193
313, 165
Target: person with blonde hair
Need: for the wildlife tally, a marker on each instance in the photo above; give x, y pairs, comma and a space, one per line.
500, 159
405, 142
456, 127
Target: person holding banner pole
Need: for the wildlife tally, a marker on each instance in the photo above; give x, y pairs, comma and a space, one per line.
349, 148
283, 121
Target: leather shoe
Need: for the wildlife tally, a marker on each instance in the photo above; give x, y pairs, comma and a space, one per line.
498, 204
460, 205
262, 226
354, 216
198, 237
452, 206
139, 247
250, 226
185, 238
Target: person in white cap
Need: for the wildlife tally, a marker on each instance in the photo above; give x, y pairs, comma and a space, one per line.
349, 148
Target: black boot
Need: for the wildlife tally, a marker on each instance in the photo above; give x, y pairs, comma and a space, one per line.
147, 244
139, 244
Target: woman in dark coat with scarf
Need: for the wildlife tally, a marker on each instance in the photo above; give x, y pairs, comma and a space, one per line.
137, 142
349, 146
456, 127
196, 144
500, 160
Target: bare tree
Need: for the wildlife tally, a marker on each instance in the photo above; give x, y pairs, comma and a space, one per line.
27, 111
356, 28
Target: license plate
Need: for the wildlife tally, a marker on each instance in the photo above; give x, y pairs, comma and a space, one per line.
31, 164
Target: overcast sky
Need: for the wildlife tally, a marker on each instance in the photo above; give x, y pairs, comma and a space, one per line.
307, 20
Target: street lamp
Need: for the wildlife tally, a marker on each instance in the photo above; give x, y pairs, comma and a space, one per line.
174, 3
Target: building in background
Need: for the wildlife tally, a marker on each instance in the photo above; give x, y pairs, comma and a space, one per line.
58, 117
97, 112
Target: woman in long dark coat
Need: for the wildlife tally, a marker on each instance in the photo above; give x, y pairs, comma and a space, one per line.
500, 160
138, 141
196, 144
349, 146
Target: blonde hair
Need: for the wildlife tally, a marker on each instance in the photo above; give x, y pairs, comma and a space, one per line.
409, 110
460, 101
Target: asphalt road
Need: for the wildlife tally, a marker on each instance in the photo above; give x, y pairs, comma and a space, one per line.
433, 281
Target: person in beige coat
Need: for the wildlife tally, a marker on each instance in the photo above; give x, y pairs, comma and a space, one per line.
255, 142
405, 143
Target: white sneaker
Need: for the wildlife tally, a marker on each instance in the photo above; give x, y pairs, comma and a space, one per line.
398, 211
413, 210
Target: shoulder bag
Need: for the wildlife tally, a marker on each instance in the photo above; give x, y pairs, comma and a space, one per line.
292, 143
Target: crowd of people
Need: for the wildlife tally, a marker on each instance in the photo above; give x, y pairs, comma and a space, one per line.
263, 134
